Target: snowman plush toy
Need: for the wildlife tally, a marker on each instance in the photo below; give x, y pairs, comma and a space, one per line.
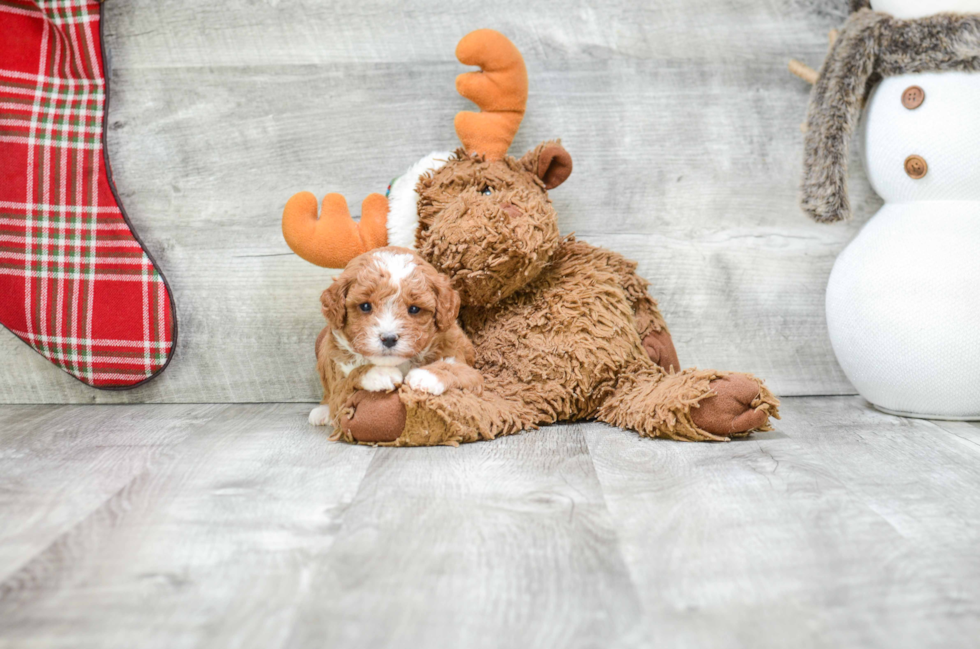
903, 299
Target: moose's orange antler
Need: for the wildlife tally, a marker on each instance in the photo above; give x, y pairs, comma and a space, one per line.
499, 89
333, 239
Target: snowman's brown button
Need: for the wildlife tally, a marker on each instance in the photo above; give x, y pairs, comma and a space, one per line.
913, 97
916, 167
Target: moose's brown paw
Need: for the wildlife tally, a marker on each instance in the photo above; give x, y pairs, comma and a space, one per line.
729, 412
373, 416
660, 348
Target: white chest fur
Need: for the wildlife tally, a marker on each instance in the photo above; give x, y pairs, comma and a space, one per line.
903, 300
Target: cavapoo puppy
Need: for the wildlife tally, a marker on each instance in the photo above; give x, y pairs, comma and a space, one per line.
391, 320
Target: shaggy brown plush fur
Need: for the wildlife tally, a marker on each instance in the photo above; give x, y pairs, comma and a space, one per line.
871, 46
560, 328
485, 224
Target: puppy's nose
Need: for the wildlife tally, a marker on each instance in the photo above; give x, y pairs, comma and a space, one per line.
389, 340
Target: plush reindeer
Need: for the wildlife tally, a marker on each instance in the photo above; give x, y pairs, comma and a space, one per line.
563, 330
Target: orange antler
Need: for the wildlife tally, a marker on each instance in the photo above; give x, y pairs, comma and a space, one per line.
333, 239
499, 89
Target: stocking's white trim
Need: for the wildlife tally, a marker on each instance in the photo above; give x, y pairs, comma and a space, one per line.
403, 213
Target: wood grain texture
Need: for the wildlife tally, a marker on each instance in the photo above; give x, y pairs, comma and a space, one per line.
489, 545
82, 460
213, 542
680, 115
242, 526
843, 528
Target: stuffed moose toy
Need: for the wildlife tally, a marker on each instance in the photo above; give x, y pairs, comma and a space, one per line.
563, 330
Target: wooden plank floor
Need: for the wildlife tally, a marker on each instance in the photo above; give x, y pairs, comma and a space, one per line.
241, 526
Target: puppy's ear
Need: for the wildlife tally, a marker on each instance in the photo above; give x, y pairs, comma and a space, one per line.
447, 301
333, 300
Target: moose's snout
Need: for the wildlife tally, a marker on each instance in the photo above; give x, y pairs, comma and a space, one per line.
389, 340
512, 210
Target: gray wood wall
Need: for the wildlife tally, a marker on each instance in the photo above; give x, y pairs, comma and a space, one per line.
680, 116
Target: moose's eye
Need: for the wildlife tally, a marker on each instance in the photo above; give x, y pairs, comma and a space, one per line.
365, 307
486, 191
413, 309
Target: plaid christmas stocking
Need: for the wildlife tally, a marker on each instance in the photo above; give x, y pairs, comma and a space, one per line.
76, 283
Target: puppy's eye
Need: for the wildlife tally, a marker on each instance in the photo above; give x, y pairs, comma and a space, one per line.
486, 191
413, 309
365, 307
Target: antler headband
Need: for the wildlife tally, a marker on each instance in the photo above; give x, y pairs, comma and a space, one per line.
499, 89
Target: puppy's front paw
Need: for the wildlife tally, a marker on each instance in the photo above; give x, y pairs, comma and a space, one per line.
425, 381
320, 416
381, 378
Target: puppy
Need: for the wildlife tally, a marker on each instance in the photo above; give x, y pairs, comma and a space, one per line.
391, 319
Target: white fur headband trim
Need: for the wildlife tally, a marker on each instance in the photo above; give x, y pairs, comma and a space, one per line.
403, 201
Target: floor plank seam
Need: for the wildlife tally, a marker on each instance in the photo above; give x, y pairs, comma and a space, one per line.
634, 588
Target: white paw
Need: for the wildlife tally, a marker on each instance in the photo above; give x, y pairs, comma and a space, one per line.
381, 378
320, 416
425, 381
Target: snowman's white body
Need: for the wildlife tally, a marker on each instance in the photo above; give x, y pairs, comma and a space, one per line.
903, 300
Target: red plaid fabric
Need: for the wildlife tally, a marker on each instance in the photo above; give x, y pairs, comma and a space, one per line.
75, 282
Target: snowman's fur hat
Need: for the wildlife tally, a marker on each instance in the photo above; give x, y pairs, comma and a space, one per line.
872, 45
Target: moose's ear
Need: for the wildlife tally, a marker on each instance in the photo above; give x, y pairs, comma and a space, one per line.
550, 162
